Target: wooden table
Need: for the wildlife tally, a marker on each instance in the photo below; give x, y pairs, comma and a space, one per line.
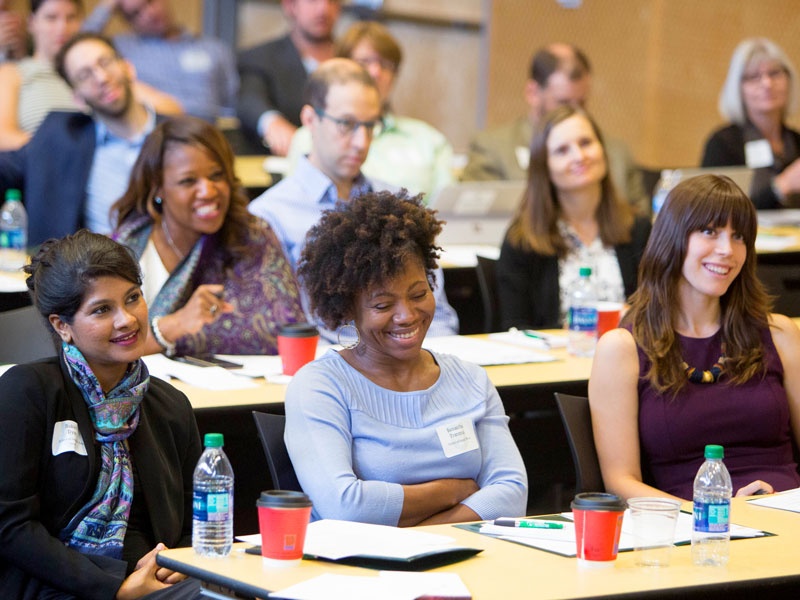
250, 171
509, 571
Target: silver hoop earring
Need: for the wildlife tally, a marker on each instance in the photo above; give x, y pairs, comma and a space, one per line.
349, 345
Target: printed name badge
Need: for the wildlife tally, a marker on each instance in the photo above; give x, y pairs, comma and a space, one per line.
67, 438
758, 154
523, 157
458, 437
195, 61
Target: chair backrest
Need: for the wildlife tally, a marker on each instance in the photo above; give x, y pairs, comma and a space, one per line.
270, 431
578, 425
487, 283
783, 282
24, 337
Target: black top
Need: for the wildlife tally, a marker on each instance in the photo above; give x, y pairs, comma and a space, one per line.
725, 148
527, 281
40, 492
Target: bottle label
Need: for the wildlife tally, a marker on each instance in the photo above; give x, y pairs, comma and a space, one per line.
208, 506
583, 318
13, 239
712, 517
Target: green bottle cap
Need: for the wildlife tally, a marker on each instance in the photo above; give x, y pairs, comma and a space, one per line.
213, 440
585, 271
13, 195
714, 451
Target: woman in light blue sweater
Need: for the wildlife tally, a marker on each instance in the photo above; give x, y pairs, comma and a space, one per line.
383, 431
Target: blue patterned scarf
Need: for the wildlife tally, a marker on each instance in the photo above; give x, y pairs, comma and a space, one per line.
99, 527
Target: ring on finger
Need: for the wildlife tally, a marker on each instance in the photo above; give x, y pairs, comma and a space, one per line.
213, 309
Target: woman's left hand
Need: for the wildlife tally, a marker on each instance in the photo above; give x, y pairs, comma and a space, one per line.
754, 487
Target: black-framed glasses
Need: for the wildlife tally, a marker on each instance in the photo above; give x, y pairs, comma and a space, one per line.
350, 126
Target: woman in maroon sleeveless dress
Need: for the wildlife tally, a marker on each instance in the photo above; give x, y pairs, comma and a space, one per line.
700, 359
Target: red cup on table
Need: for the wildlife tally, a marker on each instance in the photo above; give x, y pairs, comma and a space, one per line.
598, 523
608, 314
297, 345
283, 517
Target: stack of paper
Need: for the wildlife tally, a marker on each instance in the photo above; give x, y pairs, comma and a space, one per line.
483, 352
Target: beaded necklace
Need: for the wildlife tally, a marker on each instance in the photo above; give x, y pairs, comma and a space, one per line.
710, 376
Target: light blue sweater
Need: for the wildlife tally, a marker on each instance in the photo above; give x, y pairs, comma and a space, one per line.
354, 444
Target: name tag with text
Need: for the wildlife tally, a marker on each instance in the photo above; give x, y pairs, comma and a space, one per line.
67, 438
458, 437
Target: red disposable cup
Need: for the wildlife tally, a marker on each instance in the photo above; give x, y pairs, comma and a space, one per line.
297, 345
283, 517
607, 316
598, 523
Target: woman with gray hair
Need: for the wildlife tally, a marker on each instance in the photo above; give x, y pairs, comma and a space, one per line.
759, 92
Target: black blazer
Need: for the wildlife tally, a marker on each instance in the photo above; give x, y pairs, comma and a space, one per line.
725, 148
527, 282
39, 492
272, 77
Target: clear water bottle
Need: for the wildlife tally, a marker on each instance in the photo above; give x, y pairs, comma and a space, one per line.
582, 315
13, 232
712, 510
212, 507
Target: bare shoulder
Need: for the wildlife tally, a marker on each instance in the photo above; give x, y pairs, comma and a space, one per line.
616, 344
785, 334
9, 74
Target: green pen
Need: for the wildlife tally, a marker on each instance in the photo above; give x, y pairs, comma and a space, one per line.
531, 334
529, 523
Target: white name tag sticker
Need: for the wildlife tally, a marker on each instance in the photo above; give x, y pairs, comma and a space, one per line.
758, 154
195, 61
458, 437
523, 157
67, 438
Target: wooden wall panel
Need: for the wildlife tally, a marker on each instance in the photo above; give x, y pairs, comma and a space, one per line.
658, 64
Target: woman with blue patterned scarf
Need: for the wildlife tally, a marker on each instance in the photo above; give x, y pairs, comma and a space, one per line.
97, 456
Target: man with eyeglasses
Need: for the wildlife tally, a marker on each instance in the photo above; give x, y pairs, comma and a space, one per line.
342, 112
77, 164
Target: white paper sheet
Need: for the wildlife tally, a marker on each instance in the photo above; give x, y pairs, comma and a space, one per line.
467, 255
543, 341
208, 378
483, 352
335, 539
12, 284
767, 242
562, 541
4, 368
388, 585
788, 500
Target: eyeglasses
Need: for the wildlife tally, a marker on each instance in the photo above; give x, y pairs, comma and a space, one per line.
384, 63
88, 73
350, 126
772, 74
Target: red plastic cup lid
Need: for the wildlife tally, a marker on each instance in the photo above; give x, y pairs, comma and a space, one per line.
598, 501
298, 330
283, 499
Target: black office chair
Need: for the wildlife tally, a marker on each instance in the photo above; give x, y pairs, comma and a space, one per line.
783, 282
578, 425
24, 336
487, 283
270, 431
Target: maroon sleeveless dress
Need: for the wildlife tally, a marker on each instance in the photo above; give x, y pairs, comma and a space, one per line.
751, 421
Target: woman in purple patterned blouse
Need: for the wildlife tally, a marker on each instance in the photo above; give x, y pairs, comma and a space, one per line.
215, 278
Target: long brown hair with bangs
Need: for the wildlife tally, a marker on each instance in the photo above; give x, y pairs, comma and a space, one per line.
535, 225
148, 172
693, 205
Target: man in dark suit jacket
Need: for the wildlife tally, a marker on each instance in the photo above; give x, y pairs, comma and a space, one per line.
76, 165
274, 74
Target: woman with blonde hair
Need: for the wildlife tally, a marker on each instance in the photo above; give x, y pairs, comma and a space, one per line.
759, 93
700, 359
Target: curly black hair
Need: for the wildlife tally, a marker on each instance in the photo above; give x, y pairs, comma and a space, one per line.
361, 243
